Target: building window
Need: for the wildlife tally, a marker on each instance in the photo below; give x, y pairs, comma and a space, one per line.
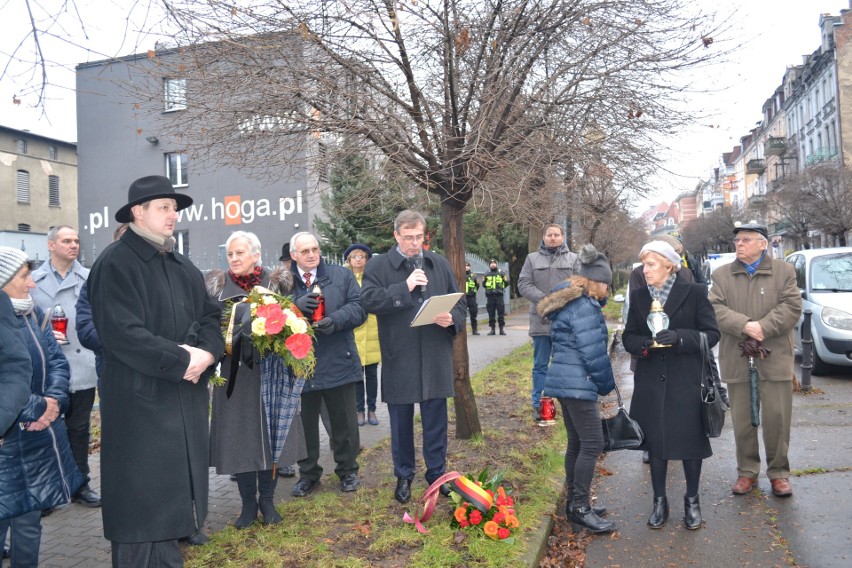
24, 228
52, 153
21, 146
23, 186
182, 242
175, 94
322, 162
176, 169
53, 191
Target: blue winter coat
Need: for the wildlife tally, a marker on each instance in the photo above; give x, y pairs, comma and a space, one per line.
17, 369
86, 332
580, 367
37, 469
338, 362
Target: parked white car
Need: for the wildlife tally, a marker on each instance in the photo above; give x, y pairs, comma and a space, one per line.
824, 277
714, 261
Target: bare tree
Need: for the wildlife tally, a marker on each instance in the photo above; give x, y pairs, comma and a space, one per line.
789, 213
713, 232
826, 196
475, 102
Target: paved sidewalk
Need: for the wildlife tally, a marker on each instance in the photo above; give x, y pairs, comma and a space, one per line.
73, 535
813, 527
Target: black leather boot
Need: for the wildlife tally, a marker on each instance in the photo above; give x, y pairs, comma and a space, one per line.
660, 514
473, 327
502, 332
247, 484
266, 483
691, 512
492, 331
585, 518
599, 511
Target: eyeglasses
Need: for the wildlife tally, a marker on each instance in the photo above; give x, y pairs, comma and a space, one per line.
413, 238
357, 256
744, 240
314, 250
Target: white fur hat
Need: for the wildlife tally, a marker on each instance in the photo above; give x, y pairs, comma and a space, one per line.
663, 249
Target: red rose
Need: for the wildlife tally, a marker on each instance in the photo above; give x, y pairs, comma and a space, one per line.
502, 533
475, 517
274, 318
299, 345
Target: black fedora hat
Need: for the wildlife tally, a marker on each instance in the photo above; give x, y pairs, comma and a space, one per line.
148, 188
285, 253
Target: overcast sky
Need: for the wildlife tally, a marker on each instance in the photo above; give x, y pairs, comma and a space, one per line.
775, 34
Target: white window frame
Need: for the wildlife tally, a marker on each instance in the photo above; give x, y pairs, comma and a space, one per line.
181, 177
22, 186
174, 94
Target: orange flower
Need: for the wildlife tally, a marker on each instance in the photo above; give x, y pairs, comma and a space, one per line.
512, 521
491, 529
461, 514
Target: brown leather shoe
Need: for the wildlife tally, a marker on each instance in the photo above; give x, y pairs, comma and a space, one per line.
743, 485
781, 487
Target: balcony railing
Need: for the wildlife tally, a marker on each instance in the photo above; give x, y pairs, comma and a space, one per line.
755, 166
824, 154
828, 108
775, 146
757, 200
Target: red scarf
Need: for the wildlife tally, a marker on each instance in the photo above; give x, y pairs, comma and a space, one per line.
247, 281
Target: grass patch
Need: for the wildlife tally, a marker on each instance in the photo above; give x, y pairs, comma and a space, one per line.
365, 528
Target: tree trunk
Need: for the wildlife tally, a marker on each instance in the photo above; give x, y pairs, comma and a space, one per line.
467, 415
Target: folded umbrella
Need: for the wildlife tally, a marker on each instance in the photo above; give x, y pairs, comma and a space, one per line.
752, 348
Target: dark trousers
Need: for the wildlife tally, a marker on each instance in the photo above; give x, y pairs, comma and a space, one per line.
472, 309
433, 415
494, 304
26, 539
163, 554
585, 443
78, 421
344, 437
371, 378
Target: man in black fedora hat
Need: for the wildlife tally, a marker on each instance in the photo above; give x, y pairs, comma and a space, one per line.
161, 337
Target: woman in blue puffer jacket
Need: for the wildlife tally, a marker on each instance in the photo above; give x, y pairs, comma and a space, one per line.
579, 372
37, 469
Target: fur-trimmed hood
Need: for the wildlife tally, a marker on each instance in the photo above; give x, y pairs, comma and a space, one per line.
564, 294
280, 282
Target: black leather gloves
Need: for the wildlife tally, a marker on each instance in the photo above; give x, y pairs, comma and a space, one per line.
325, 326
667, 337
307, 303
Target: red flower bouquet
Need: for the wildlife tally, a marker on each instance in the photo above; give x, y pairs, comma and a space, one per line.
279, 328
482, 504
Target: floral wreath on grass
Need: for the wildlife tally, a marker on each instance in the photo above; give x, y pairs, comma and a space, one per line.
277, 327
483, 504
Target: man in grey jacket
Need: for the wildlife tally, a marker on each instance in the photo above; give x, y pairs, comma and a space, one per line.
58, 282
542, 271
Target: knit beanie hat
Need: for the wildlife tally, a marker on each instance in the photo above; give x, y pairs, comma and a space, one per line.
11, 261
594, 265
663, 249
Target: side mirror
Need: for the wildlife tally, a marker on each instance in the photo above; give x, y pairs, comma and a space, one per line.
618, 298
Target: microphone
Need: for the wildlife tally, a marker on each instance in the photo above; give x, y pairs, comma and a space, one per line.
417, 263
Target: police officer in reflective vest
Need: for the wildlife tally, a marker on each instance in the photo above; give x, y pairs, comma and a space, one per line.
471, 285
495, 283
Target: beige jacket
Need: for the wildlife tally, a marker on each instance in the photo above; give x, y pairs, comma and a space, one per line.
772, 299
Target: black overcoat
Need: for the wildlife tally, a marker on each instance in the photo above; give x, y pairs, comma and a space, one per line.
667, 393
417, 362
154, 430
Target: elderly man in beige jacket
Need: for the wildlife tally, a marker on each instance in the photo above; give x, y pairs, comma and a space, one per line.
756, 296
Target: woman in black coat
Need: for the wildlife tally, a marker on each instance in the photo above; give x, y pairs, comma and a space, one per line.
667, 383
239, 431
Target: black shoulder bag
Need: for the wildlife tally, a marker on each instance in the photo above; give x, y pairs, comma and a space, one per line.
714, 397
620, 431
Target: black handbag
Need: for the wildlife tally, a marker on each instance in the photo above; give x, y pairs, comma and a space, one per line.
714, 397
620, 431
